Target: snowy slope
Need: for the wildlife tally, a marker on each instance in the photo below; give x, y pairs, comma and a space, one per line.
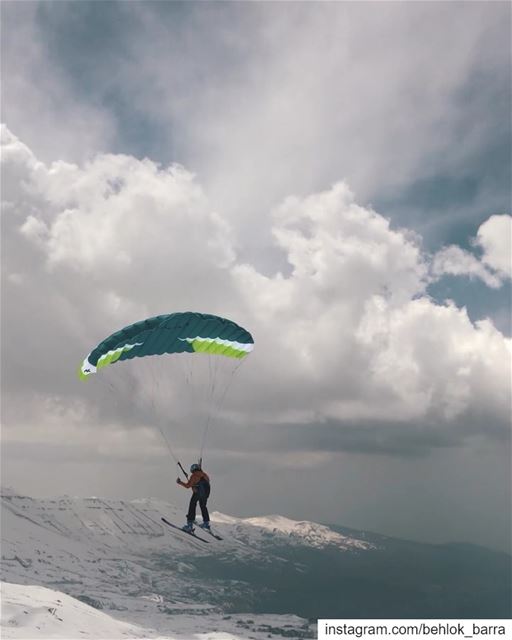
30, 612
120, 558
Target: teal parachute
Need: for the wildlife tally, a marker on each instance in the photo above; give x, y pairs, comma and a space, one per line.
168, 341
186, 332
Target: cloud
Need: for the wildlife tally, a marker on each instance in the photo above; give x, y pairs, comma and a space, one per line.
346, 336
325, 91
494, 267
457, 262
495, 238
118, 210
359, 325
433, 360
382, 98
38, 100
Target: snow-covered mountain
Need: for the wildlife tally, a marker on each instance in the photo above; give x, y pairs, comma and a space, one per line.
119, 557
270, 577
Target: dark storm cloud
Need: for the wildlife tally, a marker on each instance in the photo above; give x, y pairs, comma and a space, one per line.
384, 438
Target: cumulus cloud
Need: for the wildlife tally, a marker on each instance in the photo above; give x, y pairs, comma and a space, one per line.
359, 325
455, 261
495, 238
119, 210
345, 336
493, 267
430, 359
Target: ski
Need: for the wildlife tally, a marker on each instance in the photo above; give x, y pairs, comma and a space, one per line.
214, 535
189, 533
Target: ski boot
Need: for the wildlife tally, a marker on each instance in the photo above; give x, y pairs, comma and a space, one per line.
188, 528
205, 525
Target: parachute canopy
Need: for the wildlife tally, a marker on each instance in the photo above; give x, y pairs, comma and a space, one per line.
186, 332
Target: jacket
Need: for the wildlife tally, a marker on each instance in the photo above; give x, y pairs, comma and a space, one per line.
195, 479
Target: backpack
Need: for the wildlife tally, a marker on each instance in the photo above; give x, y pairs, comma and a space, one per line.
203, 488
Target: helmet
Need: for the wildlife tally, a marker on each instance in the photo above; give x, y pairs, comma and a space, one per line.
195, 467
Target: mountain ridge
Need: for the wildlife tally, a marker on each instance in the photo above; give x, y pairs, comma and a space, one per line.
117, 556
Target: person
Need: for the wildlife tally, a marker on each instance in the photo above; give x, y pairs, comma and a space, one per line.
199, 482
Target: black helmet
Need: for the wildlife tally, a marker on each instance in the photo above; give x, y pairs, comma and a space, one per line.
195, 467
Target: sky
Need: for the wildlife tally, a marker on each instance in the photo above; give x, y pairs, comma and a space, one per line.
335, 177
